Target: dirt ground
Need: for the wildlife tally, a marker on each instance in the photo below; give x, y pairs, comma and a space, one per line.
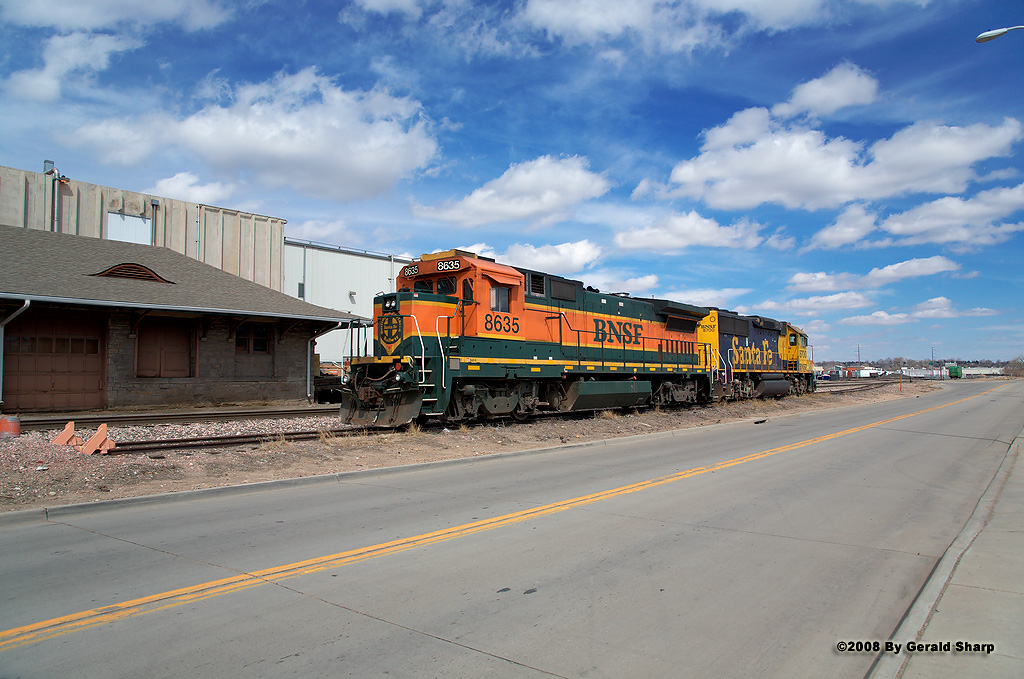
35, 473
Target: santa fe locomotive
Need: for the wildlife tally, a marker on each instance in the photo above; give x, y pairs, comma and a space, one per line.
465, 338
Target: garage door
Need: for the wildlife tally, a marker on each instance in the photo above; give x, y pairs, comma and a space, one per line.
54, 362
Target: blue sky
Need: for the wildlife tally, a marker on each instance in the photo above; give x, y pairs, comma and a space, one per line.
852, 166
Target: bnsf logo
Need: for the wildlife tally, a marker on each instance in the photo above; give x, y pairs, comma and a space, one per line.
617, 331
449, 265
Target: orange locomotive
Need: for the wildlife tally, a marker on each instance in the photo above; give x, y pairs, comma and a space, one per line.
465, 337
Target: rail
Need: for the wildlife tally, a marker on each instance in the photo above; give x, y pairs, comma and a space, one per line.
43, 422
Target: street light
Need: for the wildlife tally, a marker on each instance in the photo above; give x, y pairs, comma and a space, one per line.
992, 35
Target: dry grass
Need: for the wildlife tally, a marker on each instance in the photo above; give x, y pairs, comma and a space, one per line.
278, 444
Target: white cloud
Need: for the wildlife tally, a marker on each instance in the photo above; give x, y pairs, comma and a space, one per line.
563, 259
845, 85
542, 191
817, 304
721, 298
676, 232
667, 25
957, 220
754, 159
298, 131
653, 24
771, 14
816, 326
63, 55
410, 8
185, 186
325, 231
613, 280
850, 227
89, 15
876, 278
942, 307
878, 318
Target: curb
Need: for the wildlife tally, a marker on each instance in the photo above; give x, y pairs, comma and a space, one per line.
915, 620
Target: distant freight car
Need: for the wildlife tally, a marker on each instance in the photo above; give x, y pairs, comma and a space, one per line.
465, 337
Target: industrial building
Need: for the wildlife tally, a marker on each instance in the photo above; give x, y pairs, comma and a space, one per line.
247, 245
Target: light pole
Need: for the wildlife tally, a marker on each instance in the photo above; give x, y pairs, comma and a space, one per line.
993, 34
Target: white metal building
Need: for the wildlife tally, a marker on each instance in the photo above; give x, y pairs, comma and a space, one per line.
339, 278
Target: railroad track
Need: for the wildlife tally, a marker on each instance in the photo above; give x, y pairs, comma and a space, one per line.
232, 440
850, 387
41, 422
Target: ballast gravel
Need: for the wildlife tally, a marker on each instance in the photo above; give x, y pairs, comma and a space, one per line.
36, 473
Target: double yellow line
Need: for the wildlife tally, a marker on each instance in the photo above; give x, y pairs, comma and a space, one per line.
47, 629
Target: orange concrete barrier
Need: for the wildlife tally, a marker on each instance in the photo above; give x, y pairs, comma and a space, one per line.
9, 426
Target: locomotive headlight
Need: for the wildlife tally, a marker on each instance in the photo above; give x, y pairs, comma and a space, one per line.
390, 304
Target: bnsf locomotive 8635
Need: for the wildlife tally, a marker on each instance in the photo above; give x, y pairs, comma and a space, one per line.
465, 337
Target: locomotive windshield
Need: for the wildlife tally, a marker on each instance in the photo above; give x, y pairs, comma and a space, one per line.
446, 285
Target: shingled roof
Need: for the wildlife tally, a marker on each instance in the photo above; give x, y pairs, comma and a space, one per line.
42, 266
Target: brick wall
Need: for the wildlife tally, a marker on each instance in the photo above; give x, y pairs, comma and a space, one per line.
220, 374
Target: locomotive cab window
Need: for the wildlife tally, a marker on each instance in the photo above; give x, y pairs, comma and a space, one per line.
467, 289
446, 285
803, 342
792, 340
423, 286
500, 297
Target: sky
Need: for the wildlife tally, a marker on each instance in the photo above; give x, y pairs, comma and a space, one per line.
853, 166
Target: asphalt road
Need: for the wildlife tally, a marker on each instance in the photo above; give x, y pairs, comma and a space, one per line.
733, 550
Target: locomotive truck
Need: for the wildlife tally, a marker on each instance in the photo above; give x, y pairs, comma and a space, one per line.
465, 337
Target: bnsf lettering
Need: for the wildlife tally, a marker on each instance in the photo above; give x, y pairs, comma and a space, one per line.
618, 331
449, 265
410, 271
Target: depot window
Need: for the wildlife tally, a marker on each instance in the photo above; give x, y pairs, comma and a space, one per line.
252, 338
500, 297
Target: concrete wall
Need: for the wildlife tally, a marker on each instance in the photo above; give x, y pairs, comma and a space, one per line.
245, 244
338, 278
221, 375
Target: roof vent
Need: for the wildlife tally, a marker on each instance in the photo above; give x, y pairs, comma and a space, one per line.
135, 272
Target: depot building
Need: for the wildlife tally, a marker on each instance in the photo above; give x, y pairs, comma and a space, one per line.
88, 323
